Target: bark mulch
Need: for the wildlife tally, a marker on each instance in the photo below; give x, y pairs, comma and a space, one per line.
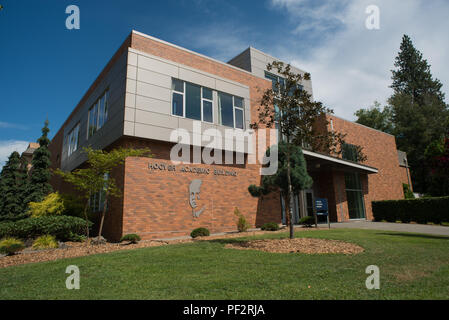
302, 245
78, 249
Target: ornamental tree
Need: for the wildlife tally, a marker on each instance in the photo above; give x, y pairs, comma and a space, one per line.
300, 179
96, 178
298, 120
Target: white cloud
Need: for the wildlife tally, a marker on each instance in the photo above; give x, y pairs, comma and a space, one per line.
8, 125
351, 68
8, 146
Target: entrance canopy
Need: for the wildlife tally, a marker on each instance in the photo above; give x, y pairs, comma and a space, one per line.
317, 161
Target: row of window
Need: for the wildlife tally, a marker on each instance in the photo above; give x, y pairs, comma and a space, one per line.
196, 102
97, 116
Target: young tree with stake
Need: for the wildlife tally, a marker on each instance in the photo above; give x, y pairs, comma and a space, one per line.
296, 115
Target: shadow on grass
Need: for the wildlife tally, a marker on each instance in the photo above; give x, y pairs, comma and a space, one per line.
415, 235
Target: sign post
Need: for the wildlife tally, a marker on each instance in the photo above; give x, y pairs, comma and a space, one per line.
322, 209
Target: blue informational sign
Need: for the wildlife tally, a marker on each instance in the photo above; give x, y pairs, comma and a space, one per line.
321, 207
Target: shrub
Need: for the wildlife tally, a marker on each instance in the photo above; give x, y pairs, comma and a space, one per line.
408, 194
10, 246
52, 205
55, 204
422, 210
242, 224
62, 227
45, 242
132, 238
270, 226
200, 232
307, 221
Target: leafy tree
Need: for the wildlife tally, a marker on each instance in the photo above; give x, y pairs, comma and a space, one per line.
437, 155
40, 174
13, 184
96, 178
299, 177
375, 117
297, 117
419, 112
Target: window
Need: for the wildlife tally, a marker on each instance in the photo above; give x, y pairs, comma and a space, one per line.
98, 114
191, 101
73, 139
178, 98
349, 152
231, 110
276, 79
96, 201
207, 105
354, 196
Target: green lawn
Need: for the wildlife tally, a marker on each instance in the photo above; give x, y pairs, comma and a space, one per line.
411, 266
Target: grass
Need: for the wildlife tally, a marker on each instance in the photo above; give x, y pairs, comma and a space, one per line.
412, 266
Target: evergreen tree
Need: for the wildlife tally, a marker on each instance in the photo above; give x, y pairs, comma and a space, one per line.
412, 76
419, 113
13, 182
40, 175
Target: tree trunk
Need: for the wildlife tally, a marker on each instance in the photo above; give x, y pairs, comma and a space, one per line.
87, 221
290, 197
103, 213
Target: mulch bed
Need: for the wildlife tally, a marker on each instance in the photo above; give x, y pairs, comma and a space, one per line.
78, 249
302, 245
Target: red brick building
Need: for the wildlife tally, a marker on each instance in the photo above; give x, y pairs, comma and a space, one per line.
151, 89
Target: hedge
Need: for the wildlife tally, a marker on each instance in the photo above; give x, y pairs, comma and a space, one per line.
62, 227
421, 210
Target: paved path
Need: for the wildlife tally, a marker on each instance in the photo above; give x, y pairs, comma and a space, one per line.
401, 227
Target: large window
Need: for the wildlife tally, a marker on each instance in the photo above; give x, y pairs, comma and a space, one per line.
349, 152
73, 140
231, 110
354, 195
98, 114
192, 101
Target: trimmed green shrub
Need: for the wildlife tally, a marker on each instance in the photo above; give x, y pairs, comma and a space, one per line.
270, 226
200, 232
45, 242
242, 224
422, 210
10, 246
132, 238
307, 221
62, 227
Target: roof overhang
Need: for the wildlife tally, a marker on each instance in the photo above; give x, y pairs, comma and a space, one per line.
315, 160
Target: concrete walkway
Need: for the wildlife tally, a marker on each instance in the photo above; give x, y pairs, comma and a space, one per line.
401, 227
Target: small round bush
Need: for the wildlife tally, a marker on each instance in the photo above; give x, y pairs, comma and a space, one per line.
10, 246
200, 232
270, 226
45, 242
307, 221
132, 238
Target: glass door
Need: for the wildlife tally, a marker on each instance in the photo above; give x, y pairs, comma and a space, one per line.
354, 196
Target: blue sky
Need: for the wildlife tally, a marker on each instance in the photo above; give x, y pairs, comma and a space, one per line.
46, 68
